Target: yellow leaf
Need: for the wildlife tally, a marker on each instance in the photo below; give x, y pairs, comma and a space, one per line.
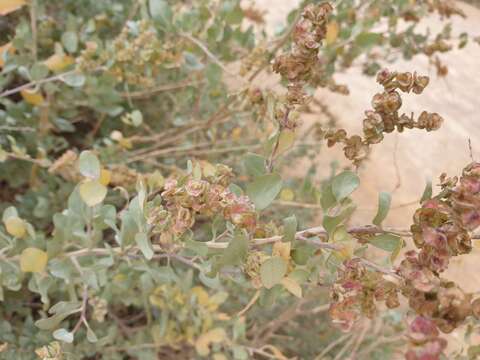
156, 180
287, 194
15, 226
58, 62
278, 354
236, 133
292, 286
286, 140
346, 250
7, 6
202, 295
33, 260
208, 170
125, 143
222, 316
33, 97
282, 249
5, 48
105, 177
219, 357
52, 351
332, 32
213, 336
92, 192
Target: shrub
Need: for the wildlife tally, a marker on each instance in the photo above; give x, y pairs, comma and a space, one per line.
141, 162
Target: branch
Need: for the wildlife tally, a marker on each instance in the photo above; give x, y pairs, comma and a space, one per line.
83, 312
36, 83
209, 54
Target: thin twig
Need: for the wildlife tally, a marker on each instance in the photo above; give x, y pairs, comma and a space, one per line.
359, 341
159, 88
297, 204
346, 347
271, 158
332, 345
398, 184
36, 83
83, 312
252, 301
212, 57
17, 128
470, 149
33, 24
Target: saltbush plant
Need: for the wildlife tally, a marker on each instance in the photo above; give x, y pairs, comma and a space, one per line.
142, 188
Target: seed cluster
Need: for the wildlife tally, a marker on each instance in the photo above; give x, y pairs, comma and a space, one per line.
297, 65
356, 291
135, 57
205, 194
385, 116
442, 228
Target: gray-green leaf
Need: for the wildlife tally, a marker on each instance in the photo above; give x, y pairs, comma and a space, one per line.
73, 79
344, 184
89, 165
384, 200
264, 189
289, 228
160, 10
236, 251
63, 335
387, 242
272, 271
254, 164
144, 245
427, 193
70, 41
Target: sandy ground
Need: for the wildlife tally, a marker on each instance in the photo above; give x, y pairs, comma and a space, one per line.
419, 155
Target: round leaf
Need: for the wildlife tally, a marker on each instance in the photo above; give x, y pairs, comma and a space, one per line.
292, 286
272, 271
264, 190
213, 336
89, 165
92, 192
33, 260
15, 226
105, 177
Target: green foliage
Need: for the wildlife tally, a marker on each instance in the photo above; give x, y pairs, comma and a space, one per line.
264, 189
384, 200
146, 212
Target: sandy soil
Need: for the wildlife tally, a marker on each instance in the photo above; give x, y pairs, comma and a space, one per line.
419, 155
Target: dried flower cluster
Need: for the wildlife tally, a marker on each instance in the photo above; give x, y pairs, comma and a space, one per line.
356, 292
445, 8
425, 339
385, 116
297, 65
204, 194
442, 229
135, 55
442, 226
